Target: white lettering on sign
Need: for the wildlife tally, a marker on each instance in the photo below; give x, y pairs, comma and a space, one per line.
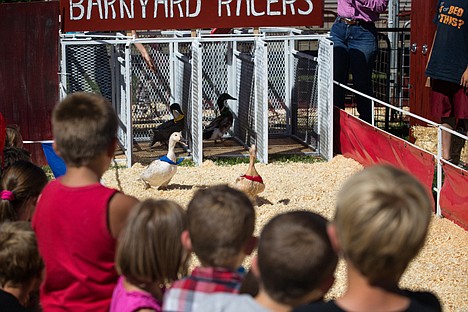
156, 5
174, 8
143, 3
255, 13
291, 6
273, 7
130, 9
90, 8
311, 8
80, 7
179, 6
197, 10
269, 11
107, 5
228, 7
124, 8
238, 8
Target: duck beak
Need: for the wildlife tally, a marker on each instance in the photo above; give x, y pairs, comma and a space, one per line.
231, 98
183, 142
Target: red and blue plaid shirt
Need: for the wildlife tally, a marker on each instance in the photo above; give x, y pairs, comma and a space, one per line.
186, 293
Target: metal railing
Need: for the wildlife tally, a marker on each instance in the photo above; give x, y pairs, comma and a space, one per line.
440, 128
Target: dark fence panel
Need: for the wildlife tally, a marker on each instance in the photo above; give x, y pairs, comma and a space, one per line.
29, 69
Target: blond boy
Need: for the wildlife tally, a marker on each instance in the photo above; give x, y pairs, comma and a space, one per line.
221, 222
381, 223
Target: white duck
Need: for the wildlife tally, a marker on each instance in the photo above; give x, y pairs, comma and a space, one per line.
251, 182
160, 172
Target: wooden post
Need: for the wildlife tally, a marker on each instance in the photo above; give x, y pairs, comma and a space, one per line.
422, 33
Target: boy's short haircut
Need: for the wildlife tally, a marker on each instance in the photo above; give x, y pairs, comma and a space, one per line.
221, 220
20, 261
84, 125
382, 219
295, 256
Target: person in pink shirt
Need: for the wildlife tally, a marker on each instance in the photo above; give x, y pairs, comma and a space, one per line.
355, 46
150, 256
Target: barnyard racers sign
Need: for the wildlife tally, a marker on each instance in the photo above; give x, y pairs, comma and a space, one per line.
113, 15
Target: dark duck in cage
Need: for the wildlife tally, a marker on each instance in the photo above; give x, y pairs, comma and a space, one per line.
163, 132
221, 124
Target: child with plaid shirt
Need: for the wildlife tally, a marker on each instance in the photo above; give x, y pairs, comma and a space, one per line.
294, 266
221, 222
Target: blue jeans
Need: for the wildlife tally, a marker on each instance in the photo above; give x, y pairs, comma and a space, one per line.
355, 49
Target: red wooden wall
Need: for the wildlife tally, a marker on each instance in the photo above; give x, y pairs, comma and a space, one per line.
29, 69
422, 33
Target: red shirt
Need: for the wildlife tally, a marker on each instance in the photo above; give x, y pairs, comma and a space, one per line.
77, 247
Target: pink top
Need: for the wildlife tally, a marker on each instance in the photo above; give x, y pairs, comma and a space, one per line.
77, 247
130, 301
367, 10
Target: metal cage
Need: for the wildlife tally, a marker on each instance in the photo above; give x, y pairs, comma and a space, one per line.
281, 88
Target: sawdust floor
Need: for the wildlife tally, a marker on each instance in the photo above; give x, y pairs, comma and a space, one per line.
440, 267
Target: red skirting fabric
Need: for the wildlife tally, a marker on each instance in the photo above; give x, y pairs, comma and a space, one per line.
454, 195
369, 146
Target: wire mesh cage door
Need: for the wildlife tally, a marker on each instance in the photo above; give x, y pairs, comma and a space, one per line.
325, 98
196, 120
261, 100
151, 90
304, 93
100, 67
278, 87
88, 67
216, 80
246, 75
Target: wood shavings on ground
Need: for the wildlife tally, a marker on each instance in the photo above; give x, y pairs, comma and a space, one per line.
426, 138
441, 266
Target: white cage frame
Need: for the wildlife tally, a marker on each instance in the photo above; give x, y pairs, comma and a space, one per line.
121, 72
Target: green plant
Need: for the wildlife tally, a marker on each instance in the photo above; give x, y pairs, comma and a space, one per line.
229, 161
48, 172
187, 163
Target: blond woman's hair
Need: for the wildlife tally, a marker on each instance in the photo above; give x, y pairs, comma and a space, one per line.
382, 218
84, 126
20, 261
149, 250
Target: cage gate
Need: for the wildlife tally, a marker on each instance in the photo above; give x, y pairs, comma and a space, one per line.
281, 88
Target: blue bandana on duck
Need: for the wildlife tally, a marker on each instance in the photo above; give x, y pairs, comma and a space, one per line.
166, 159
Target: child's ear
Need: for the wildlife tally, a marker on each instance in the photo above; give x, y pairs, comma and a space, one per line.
251, 245
254, 267
331, 230
186, 240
